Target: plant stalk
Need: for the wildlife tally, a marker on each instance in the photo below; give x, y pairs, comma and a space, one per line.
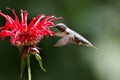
29, 69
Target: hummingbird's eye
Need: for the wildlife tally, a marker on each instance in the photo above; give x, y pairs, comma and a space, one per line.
61, 28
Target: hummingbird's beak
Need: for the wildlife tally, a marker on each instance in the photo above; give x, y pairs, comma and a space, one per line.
55, 26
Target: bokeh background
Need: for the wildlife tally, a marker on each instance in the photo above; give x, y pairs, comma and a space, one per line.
97, 20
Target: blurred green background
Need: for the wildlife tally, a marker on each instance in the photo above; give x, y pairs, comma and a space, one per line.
96, 20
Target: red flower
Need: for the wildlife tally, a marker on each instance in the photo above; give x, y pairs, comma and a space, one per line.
21, 33
27, 36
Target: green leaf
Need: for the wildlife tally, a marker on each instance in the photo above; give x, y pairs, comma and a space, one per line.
23, 65
39, 59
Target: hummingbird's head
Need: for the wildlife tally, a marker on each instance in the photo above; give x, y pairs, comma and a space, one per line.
61, 27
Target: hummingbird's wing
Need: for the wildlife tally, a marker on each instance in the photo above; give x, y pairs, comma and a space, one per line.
64, 41
61, 34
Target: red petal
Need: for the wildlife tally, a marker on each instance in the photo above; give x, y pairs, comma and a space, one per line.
9, 19
6, 33
24, 20
16, 17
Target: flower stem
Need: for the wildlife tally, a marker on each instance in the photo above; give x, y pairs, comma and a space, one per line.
28, 64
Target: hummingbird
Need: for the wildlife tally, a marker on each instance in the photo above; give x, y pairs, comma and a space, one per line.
70, 36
